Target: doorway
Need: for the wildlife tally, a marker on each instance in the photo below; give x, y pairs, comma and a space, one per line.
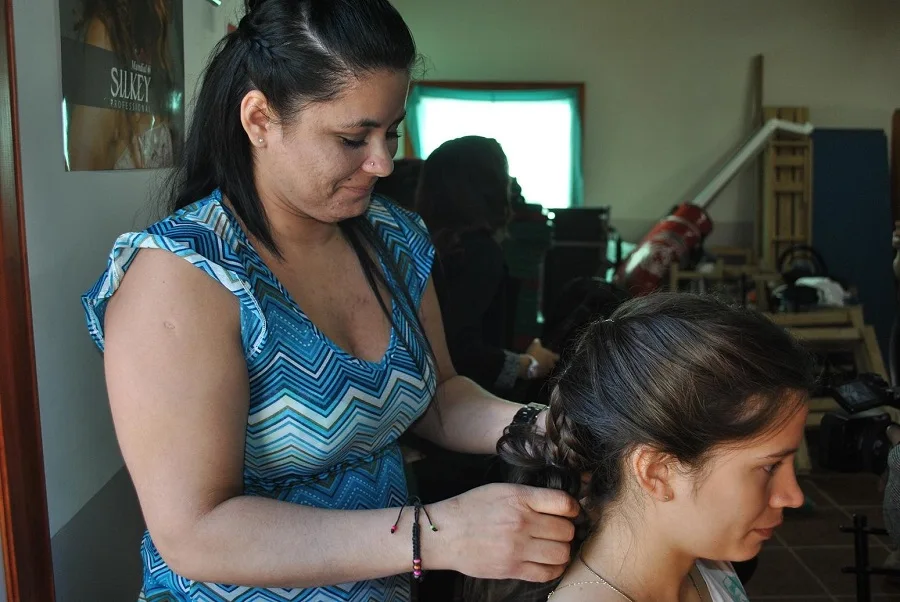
24, 526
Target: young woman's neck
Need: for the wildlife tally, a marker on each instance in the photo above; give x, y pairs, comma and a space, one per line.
636, 559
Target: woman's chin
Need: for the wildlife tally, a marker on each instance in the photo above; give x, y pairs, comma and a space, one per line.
747, 552
347, 208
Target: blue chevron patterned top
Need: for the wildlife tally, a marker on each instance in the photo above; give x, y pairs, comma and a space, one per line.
322, 425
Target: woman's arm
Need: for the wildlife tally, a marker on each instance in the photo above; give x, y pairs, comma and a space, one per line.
470, 419
178, 390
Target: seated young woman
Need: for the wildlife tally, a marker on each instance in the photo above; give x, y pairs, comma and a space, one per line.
676, 422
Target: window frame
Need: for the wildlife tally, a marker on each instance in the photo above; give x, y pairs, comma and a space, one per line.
577, 199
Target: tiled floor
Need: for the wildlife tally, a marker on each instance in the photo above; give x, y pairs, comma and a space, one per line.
803, 562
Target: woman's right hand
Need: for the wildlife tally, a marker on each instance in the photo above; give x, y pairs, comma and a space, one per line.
502, 531
546, 359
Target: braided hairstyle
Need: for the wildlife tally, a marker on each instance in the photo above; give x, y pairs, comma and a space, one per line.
684, 374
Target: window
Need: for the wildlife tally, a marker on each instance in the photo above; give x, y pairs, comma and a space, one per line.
538, 125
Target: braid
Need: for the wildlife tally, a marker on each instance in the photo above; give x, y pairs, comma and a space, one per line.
554, 460
257, 43
565, 450
563, 446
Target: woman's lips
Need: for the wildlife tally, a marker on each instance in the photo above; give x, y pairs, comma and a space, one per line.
768, 532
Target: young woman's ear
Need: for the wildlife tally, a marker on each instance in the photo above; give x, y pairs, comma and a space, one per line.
653, 472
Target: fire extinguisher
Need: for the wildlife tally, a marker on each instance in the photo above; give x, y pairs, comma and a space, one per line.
685, 228
664, 246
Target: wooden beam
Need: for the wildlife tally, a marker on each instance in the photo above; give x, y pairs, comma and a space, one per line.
827, 335
825, 317
24, 526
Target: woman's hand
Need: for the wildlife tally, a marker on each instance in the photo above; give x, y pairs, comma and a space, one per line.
546, 359
502, 531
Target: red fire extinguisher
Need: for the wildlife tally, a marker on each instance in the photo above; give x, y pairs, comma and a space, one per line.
671, 239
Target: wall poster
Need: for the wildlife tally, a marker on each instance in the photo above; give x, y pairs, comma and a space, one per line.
122, 64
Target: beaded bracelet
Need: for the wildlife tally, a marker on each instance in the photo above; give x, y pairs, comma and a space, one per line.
416, 503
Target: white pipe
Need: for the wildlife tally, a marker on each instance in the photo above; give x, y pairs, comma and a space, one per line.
747, 152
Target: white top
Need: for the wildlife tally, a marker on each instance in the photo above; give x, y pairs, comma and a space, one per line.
722, 581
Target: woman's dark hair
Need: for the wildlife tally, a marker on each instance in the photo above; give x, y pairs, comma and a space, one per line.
296, 52
401, 185
464, 187
683, 374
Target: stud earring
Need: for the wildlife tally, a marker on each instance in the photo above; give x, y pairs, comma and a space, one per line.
666, 499
260, 140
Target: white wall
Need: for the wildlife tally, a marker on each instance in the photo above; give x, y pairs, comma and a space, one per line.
667, 82
71, 222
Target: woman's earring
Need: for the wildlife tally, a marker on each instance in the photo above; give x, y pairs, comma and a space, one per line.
667, 498
260, 140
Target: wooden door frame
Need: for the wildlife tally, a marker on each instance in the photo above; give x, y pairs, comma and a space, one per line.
24, 524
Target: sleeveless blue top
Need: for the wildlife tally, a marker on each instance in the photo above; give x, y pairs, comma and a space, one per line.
322, 425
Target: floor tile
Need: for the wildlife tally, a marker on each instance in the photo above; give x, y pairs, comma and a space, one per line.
807, 484
875, 598
780, 574
849, 489
794, 599
822, 528
826, 564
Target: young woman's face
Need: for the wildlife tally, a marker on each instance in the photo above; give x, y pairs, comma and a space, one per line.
730, 509
325, 163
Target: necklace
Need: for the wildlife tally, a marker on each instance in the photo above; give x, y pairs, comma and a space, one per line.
550, 595
602, 581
